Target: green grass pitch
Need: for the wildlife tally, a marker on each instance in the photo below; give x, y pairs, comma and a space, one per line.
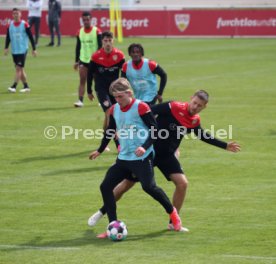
49, 188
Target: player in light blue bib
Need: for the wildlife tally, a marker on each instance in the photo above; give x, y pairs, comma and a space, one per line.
141, 73
132, 121
18, 34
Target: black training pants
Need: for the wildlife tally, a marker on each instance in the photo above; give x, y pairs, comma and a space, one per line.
123, 169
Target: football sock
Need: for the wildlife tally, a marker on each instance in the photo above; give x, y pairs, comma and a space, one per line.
102, 210
14, 85
81, 98
26, 85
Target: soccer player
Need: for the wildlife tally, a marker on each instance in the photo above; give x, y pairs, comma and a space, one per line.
89, 40
105, 67
141, 73
54, 18
129, 119
178, 119
34, 16
18, 33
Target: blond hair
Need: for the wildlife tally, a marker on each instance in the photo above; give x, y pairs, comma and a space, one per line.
119, 86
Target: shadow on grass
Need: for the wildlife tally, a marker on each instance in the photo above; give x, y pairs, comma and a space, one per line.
53, 157
84, 154
88, 238
44, 109
75, 171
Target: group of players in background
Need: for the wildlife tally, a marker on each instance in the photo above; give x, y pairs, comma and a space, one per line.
127, 92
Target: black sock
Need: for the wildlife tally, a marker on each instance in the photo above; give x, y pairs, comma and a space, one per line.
102, 210
26, 85
14, 85
81, 98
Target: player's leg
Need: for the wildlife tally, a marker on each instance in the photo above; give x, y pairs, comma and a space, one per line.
51, 29
12, 88
23, 75
181, 184
57, 30
113, 177
31, 22
143, 169
118, 192
37, 27
83, 69
171, 169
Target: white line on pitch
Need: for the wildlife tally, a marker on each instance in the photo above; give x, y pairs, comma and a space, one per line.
36, 247
250, 257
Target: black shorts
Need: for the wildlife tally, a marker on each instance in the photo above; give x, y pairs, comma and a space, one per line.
19, 59
168, 164
132, 170
105, 99
81, 64
152, 102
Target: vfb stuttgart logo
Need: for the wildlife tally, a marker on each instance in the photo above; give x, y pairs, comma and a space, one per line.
182, 21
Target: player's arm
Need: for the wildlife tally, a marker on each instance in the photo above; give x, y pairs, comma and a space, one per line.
124, 70
99, 39
121, 63
109, 134
149, 120
8, 39
208, 138
91, 70
163, 79
163, 109
77, 52
30, 36
59, 9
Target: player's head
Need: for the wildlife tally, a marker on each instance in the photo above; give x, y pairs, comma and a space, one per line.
107, 41
16, 13
86, 19
198, 102
122, 91
136, 52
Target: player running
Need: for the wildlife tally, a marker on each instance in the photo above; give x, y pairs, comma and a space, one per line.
135, 159
141, 73
179, 119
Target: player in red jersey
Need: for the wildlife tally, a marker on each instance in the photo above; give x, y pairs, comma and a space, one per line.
104, 68
178, 119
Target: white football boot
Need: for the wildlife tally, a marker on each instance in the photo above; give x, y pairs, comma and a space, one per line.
78, 104
12, 90
95, 218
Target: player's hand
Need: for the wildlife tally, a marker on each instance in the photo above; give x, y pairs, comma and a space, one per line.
76, 66
6, 51
159, 99
93, 155
91, 97
140, 151
233, 147
34, 52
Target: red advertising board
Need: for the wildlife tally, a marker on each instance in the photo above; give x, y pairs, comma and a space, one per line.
224, 22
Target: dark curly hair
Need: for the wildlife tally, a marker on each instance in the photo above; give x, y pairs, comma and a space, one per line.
135, 45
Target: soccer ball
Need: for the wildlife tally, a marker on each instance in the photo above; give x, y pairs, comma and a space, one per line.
117, 230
